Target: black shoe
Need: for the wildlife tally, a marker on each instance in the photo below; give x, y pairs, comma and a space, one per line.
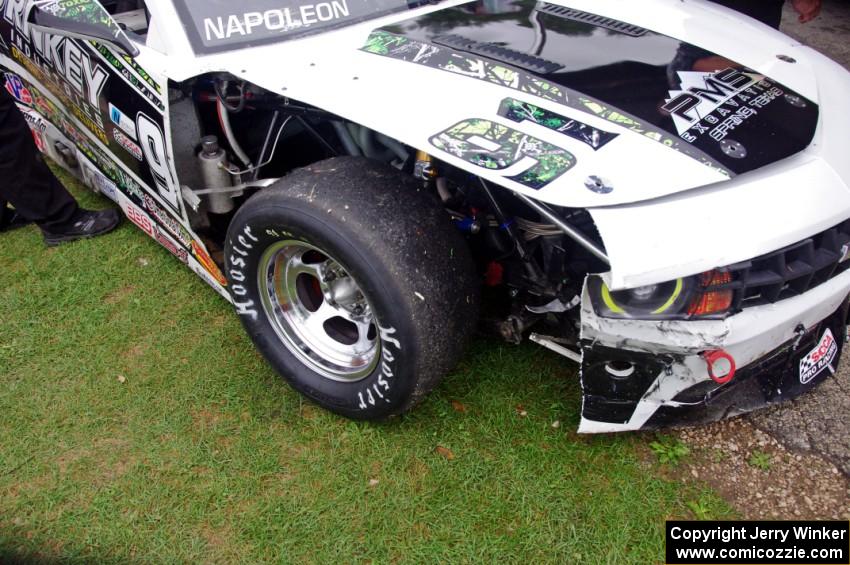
88, 223
10, 219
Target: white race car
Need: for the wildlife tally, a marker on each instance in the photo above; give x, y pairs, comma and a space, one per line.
658, 191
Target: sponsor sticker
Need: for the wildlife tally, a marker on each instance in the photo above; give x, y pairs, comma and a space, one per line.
205, 276
123, 121
37, 126
208, 263
819, 358
167, 221
15, 86
36, 123
140, 219
39, 141
274, 21
166, 241
100, 183
128, 144
716, 104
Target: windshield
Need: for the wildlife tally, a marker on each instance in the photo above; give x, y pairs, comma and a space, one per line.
219, 25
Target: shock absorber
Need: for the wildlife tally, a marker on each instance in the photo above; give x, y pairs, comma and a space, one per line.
214, 165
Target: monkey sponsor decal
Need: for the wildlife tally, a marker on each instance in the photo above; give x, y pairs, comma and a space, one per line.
95, 86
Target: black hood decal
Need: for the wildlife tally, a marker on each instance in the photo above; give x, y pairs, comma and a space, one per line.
729, 118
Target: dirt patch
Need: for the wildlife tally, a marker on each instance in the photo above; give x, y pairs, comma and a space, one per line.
210, 418
23, 488
135, 352
221, 320
760, 477
419, 472
308, 411
222, 544
119, 295
103, 461
299, 451
275, 480
215, 537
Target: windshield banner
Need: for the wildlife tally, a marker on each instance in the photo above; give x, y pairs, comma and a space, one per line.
217, 25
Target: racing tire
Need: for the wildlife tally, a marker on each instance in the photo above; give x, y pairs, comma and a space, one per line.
352, 282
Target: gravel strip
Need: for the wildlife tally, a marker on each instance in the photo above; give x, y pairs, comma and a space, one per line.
791, 461
818, 422
761, 478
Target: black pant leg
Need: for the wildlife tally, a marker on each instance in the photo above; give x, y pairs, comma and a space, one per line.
25, 180
766, 11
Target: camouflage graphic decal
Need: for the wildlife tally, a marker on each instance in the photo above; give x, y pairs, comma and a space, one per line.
399, 47
88, 11
493, 146
384, 43
518, 111
120, 66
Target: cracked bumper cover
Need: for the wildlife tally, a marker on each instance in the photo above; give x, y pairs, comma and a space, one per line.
667, 383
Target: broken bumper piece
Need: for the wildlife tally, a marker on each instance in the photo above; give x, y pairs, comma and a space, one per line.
638, 374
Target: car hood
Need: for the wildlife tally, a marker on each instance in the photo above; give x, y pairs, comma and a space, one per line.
636, 76
688, 98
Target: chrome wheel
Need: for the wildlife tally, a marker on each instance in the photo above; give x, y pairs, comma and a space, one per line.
318, 311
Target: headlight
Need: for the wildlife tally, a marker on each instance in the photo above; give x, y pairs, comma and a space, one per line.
707, 295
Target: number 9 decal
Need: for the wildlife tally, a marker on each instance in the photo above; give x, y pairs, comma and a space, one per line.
522, 158
153, 146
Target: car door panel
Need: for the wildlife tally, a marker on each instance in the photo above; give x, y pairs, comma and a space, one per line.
113, 114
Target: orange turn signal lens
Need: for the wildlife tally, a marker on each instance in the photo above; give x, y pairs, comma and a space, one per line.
712, 302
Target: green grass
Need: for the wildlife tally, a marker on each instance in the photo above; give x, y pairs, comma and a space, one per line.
203, 454
669, 450
760, 460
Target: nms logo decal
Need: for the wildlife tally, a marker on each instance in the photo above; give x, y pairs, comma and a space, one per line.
704, 100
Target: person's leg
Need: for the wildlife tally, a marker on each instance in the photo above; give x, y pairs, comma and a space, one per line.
26, 182
766, 11
10, 219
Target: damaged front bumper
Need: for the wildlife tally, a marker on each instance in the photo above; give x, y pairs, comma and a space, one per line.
639, 374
